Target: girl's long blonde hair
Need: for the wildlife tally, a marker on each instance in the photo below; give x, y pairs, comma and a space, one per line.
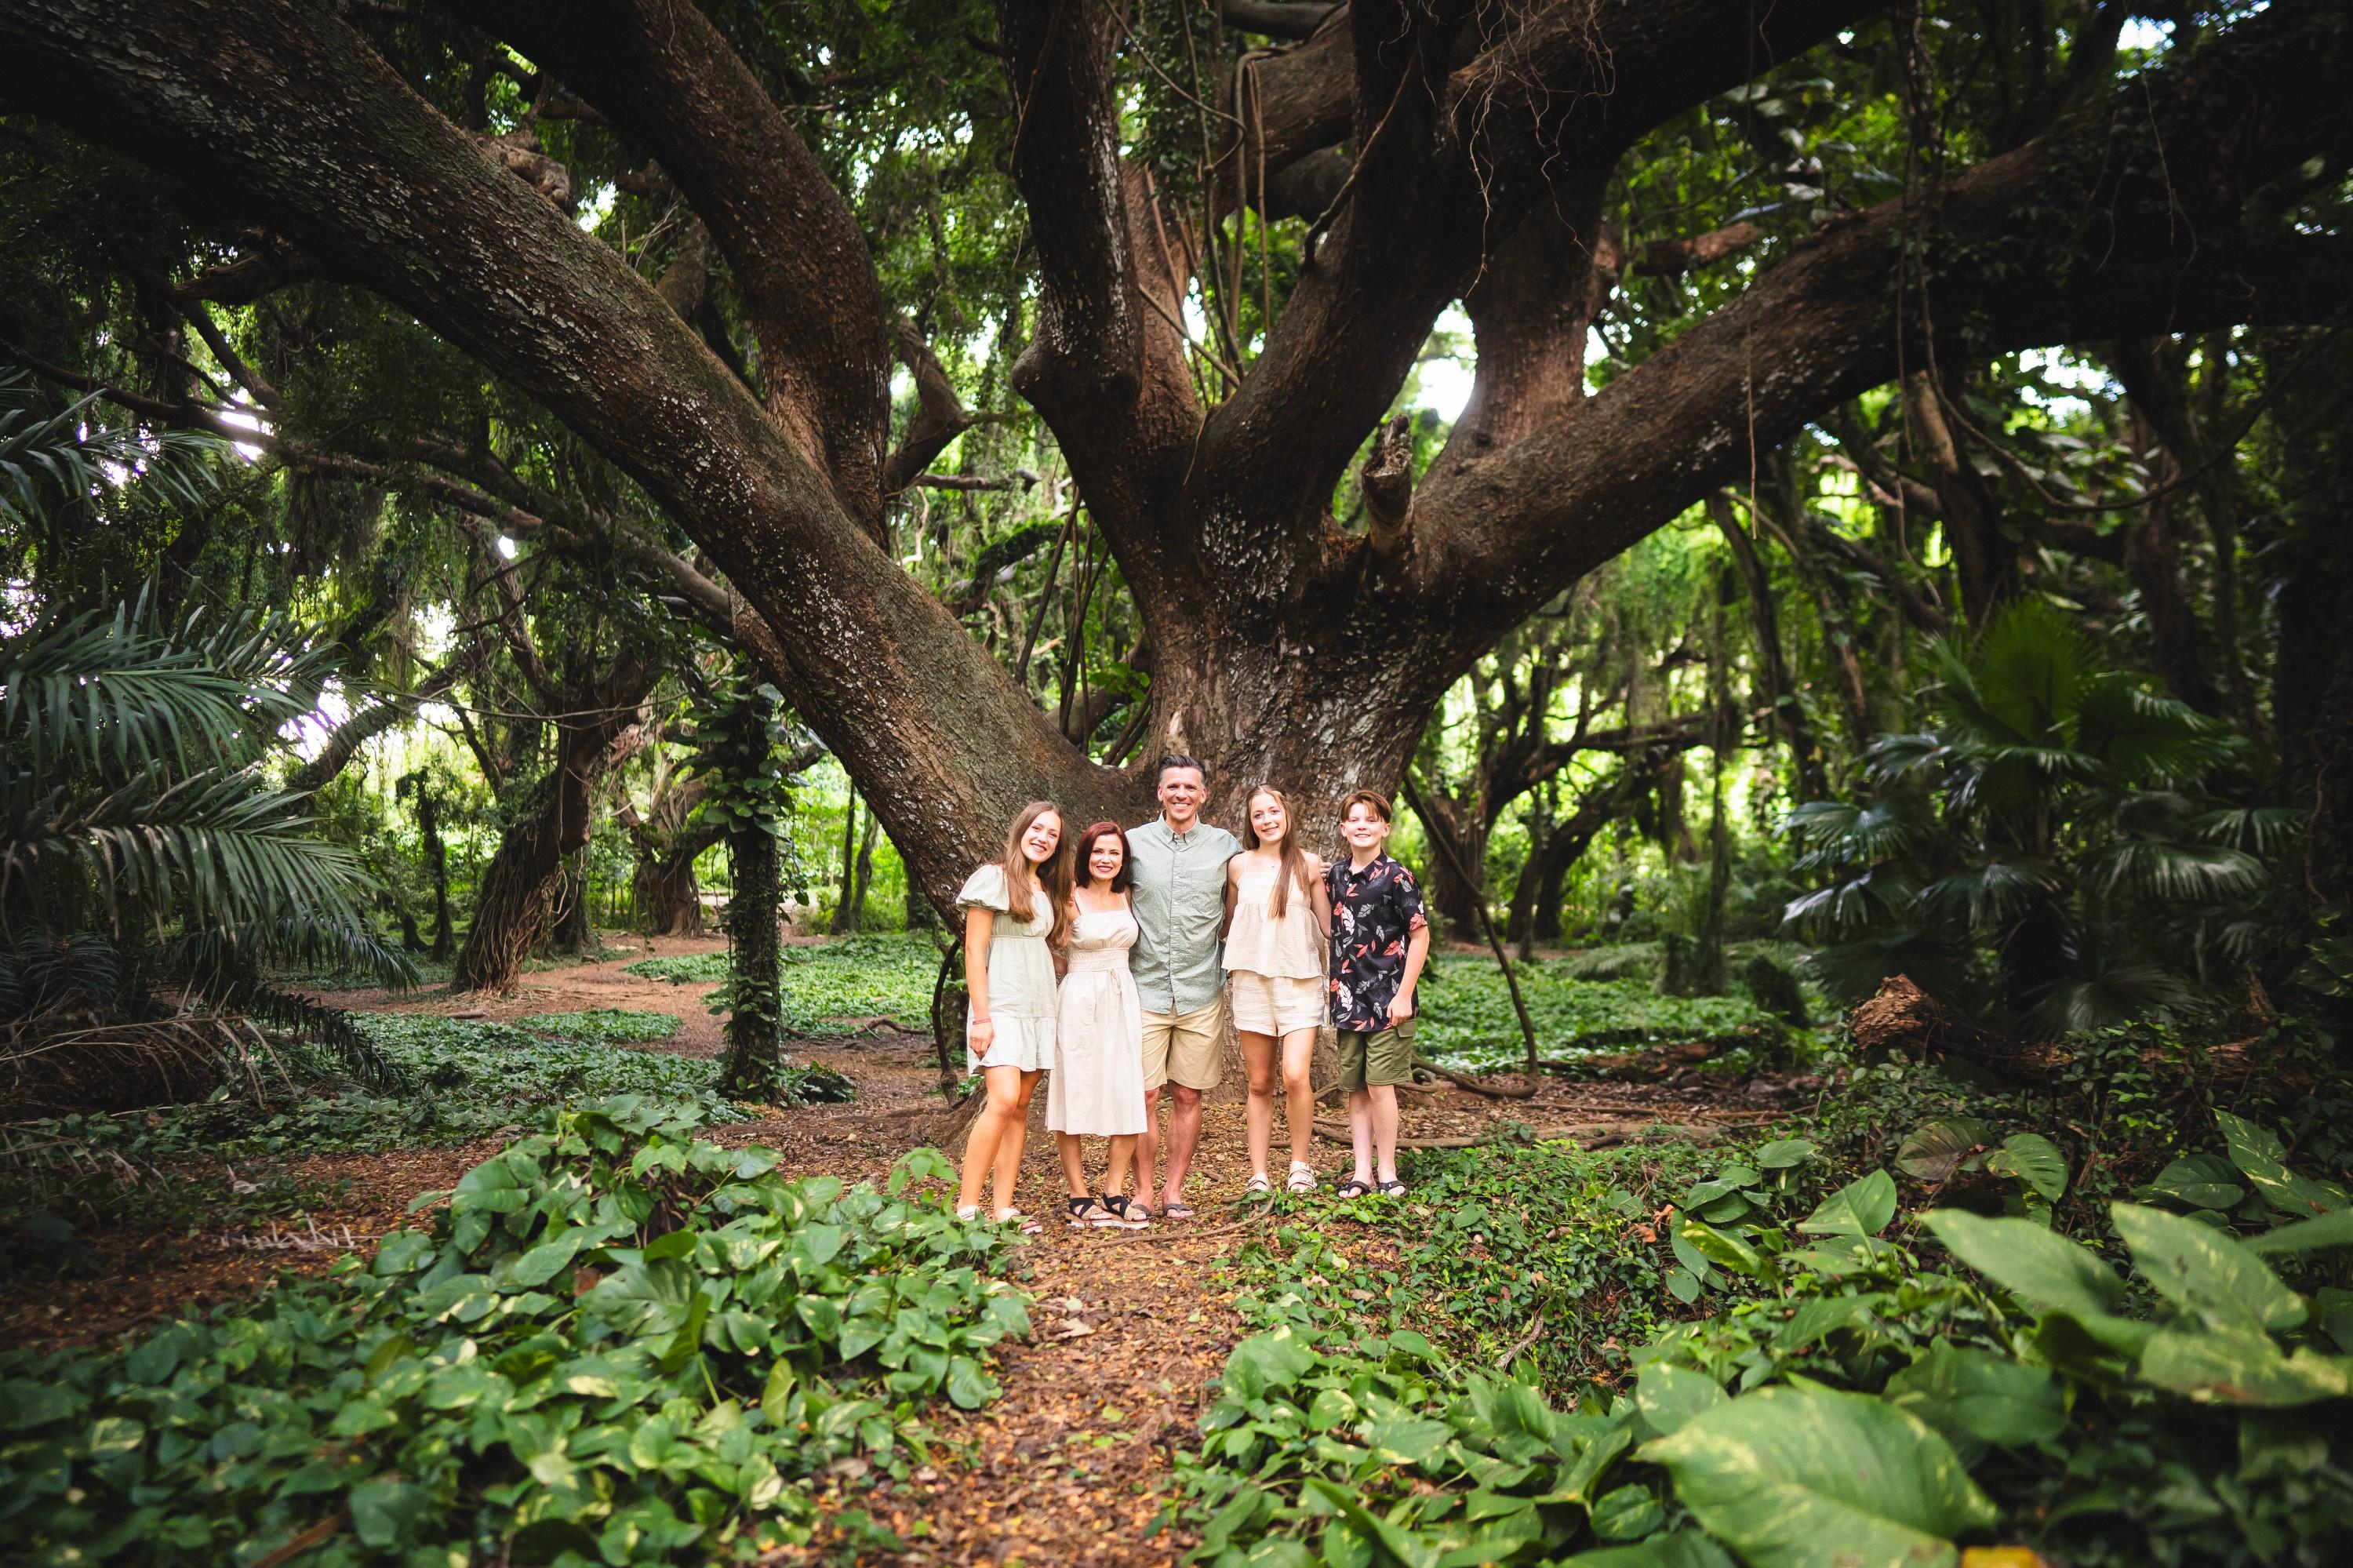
1293, 858
1052, 875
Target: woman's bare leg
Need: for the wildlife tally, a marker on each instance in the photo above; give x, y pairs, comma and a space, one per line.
1123, 1150
1258, 1066
1010, 1148
1074, 1162
1003, 1087
1298, 1092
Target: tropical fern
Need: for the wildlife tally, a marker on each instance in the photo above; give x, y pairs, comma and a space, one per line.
2047, 826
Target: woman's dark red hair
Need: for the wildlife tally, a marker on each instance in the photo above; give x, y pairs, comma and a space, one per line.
1084, 846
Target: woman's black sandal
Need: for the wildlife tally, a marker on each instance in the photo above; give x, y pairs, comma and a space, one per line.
1392, 1188
1352, 1188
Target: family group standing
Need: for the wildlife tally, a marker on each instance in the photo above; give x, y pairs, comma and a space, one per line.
1110, 961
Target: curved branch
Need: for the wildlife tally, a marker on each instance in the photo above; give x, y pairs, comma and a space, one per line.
2148, 244
666, 80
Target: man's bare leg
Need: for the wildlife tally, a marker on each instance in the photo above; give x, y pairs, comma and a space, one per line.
1184, 1137
1148, 1144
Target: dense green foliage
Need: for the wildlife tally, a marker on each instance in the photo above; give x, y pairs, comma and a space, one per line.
1857, 1396
827, 986
603, 1025
616, 1342
1467, 1019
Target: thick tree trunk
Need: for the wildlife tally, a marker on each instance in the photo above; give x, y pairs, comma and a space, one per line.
755, 1048
662, 888
520, 889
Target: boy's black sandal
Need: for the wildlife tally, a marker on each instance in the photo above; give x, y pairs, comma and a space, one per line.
1352, 1188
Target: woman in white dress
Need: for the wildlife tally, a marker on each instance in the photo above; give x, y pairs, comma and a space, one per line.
1097, 1089
1017, 912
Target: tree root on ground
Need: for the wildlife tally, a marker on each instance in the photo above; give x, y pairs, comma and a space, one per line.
1526, 1091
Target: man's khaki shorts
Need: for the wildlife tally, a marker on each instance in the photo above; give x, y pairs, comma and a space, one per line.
1371, 1059
1182, 1047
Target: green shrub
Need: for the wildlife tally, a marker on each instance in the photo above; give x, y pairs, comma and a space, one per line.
604, 1025
1467, 1019
824, 984
619, 1343
1854, 1398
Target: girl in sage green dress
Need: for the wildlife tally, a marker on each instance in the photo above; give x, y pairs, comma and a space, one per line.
1016, 913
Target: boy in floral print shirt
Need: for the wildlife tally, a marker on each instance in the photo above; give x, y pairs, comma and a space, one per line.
1379, 940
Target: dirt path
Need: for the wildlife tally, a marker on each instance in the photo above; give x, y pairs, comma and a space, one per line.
1072, 1465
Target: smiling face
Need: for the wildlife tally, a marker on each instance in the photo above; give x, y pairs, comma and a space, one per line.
1181, 793
1105, 857
1363, 829
1268, 820
1039, 841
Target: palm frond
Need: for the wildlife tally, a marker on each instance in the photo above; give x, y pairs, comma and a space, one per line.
46, 458
1619, 961
2162, 868
1990, 891
2258, 830
2102, 993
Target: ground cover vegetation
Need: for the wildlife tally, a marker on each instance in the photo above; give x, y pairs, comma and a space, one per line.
615, 1341
1828, 520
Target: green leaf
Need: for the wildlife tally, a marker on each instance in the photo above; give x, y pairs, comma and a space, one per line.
2201, 1181
1405, 1442
1625, 1512
969, 1387
1935, 1152
1861, 1208
2039, 1267
1796, 1477
2236, 1366
2034, 1160
1683, 1549
1782, 1153
2259, 1155
1670, 1396
1721, 1247
1264, 1361
2200, 1270
2307, 1235
379, 1508
1967, 1392
544, 1262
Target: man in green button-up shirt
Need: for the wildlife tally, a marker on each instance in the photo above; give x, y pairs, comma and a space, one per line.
1179, 898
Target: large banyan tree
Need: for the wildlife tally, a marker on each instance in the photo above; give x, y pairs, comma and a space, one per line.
1451, 152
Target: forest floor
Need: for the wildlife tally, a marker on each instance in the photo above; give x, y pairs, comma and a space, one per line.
1072, 1463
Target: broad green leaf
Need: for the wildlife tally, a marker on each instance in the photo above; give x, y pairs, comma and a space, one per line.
1405, 1442
379, 1508
2201, 1181
1782, 1153
542, 1263
1797, 1477
2258, 1154
1269, 1361
1861, 1208
969, 1387
1967, 1392
2200, 1270
2034, 1160
1935, 1152
1626, 1512
1826, 1315
1669, 1397
1721, 1247
1683, 1549
2237, 1367
2307, 1235
2044, 1269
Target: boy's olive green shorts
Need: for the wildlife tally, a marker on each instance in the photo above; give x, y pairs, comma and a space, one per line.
1376, 1059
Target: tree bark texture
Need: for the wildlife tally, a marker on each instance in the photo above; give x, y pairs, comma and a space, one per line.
517, 901
1284, 647
754, 1053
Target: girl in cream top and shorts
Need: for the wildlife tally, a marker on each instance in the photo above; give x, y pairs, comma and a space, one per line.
1275, 978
